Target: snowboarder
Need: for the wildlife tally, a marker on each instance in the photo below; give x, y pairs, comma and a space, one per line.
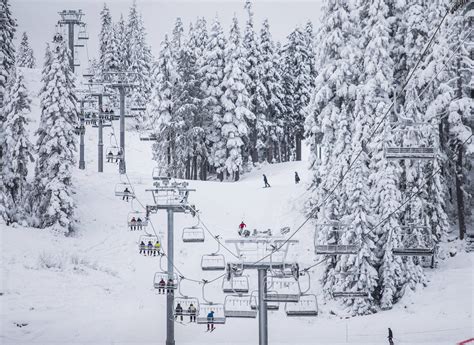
192, 313
157, 248
142, 248
265, 181
210, 321
297, 178
178, 312
133, 223
150, 247
161, 286
110, 157
126, 193
170, 286
390, 337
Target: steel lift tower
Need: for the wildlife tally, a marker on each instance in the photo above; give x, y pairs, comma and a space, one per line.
70, 18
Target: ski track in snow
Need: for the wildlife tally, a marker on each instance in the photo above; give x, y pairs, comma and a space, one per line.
100, 289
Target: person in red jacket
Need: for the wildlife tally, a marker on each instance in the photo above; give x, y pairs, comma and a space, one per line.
243, 232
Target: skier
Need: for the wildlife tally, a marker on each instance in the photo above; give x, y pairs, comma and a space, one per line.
139, 223
133, 223
142, 248
157, 248
210, 321
192, 313
390, 337
265, 181
126, 193
178, 312
119, 154
150, 247
110, 157
161, 286
297, 178
170, 286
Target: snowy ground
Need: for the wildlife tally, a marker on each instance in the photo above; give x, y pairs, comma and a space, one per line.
95, 288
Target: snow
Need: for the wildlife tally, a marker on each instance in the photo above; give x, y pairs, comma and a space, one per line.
95, 288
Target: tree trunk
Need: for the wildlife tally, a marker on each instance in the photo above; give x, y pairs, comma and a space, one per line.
298, 139
188, 169
195, 168
460, 194
236, 175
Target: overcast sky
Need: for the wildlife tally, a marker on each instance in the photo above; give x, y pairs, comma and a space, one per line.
38, 17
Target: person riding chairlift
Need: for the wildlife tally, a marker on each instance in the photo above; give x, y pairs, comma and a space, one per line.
133, 223
242, 232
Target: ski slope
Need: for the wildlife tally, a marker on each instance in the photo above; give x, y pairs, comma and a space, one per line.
94, 288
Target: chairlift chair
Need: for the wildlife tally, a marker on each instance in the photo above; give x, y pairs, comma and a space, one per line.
148, 238
352, 290
213, 261
193, 234
157, 176
113, 154
271, 306
164, 275
416, 240
207, 307
239, 306
306, 306
82, 34
235, 284
124, 190
137, 220
338, 230
287, 289
397, 149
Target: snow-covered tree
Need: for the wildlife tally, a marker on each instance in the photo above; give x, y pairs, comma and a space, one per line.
120, 34
18, 149
56, 146
7, 48
108, 48
212, 72
25, 56
236, 102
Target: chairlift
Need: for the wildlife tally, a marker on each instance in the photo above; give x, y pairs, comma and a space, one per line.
307, 304
213, 261
137, 220
337, 230
398, 149
287, 289
82, 34
271, 306
145, 247
124, 190
193, 233
185, 302
159, 276
79, 45
235, 284
239, 306
416, 240
158, 176
113, 154
207, 307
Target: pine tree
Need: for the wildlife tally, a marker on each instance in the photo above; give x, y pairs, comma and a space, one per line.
18, 148
52, 197
120, 34
25, 57
236, 103
297, 86
212, 71
7, 49
108, 48
270, 97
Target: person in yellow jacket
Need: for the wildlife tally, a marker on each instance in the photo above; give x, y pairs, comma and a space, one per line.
157, 248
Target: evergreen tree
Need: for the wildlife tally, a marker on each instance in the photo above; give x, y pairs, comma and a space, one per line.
120, 33
7, 49
18, 148
236, 103
52, 196
212, 71
108, 48
25, 57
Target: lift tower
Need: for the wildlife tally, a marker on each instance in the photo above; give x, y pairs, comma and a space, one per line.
172, 197
70, 18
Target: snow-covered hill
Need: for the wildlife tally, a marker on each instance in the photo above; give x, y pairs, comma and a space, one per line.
94, 288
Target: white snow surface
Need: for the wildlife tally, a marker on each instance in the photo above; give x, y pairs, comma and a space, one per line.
94, 287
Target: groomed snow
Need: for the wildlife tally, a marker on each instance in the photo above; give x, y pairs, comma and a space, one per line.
94, 288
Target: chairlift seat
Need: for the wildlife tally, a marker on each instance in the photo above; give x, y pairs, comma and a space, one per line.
306, 306
235, 285
206, 308
413, 251
349, 294
239, 306
336, 249
213, 262
278, 297
164, 275
193, 234
394, 153
185, 303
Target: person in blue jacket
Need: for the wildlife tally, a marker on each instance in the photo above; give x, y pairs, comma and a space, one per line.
210, 321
